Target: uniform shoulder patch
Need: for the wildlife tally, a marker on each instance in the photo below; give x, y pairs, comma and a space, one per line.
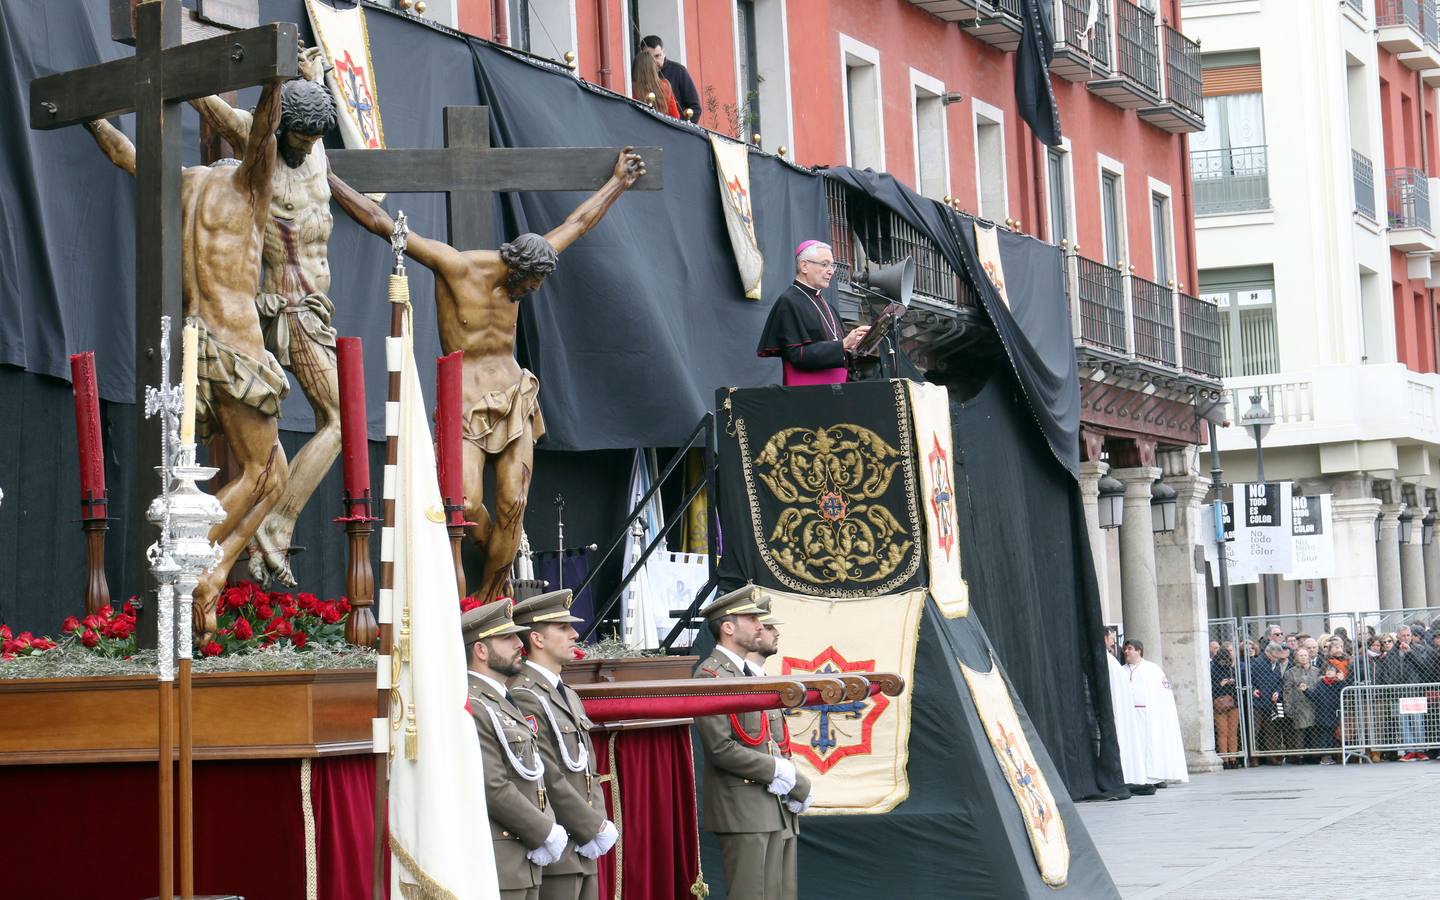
534, 725
711, 672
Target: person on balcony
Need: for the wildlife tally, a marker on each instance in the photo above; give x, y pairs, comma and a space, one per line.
804, 329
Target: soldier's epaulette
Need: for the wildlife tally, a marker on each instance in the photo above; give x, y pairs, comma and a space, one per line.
711, 672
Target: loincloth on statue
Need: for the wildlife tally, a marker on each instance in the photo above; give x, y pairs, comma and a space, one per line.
224, 372
499, 417
310, 315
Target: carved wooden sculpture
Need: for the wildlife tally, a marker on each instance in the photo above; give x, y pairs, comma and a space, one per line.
477, 294
224, 210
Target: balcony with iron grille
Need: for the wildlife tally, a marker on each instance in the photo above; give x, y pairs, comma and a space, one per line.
956, 10
1183, 111
1407, 195
1427, 57
1082, 47
1363, 175
1135, 78
1398, 25
1230, 180
1152, 312
1001, 27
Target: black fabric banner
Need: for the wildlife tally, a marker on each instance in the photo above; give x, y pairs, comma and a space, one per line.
1034, 97
818, 490
1034, 329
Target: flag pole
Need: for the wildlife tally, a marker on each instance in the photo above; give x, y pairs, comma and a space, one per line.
399, 302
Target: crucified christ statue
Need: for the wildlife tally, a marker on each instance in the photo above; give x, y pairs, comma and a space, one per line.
477, 298
293, 302
223, 214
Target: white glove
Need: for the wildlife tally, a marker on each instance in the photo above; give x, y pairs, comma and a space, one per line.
797, 807
550, 851
784, 781
602, 843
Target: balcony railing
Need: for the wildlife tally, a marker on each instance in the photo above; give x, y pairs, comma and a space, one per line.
1137, 57
1229, 180
1200, 336
1153, 312
1407, 191
1397, 12
1072, 16
1357, 5
1182, 72
1100, 291
1364, 176
1429, 28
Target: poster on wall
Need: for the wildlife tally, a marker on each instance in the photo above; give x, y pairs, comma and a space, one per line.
1265, 514
1240, 569
1312, 539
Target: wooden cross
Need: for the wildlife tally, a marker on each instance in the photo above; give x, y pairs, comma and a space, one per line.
468, 170
153, 83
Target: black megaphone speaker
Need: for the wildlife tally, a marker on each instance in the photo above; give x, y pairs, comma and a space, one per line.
896, 281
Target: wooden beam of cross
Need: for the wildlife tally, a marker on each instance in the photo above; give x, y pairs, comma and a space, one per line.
153, 83
469, 171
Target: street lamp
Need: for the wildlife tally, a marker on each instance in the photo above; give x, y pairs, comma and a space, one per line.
1112, 502
1427, 528
1162, 508
1405, 518
1257, 420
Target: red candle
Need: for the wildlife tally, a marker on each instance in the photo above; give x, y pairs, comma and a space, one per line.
87, 430
354, 439
448, 435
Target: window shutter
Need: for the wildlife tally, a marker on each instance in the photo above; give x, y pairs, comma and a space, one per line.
1222, 80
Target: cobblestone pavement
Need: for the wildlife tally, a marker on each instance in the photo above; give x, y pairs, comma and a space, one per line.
1276, 833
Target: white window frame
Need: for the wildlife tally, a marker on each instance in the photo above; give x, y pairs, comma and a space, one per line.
1071, 225
933, 86
676, 52
1104, 164
541, 33
849, 47
993, 115
762, 7
1159, 187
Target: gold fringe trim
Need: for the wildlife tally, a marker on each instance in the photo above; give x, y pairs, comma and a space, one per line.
618, 817
426, 888
307, 812
412, 735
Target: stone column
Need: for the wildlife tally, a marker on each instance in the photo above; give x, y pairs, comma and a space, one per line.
1431, 553
1387, 556
1090, 475
1139, 598
1355, 586
1412, 564
1184, 618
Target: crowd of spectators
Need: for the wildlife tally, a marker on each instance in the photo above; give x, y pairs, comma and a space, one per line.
1294, 683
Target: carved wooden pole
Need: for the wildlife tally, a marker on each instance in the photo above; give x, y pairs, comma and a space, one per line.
360, 628
450, 453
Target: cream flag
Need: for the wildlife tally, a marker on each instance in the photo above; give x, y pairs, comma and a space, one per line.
1038, 811
342, 35
437, 779
930, 409
732, 167
854, 752
987, 247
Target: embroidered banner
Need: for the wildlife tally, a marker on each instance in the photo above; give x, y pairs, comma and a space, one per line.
1038, 810
342, 35
732, 167
854, 752
987, 249
935, 458
819, 490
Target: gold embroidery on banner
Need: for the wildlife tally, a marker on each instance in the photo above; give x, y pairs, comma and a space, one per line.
830, 531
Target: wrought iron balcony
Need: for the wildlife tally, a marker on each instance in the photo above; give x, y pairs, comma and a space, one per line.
1399, 27
955, 10
1002, 27
1184, 109
1200, 336
1153, 314
1230, 180
1364, 177
1357, 5
1099, 297
1407, 194
1081, 53
1135, 81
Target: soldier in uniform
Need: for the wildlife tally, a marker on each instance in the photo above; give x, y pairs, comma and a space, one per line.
562, 730
746, 777
523, 830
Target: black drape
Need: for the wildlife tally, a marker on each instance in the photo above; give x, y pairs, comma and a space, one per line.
1034, 97
1034, 329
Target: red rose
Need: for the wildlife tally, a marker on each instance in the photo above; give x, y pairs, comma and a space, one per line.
242, 630
43, 644
309, 601
299, 639
330, 613
469, 603
122, 627
24, 640
7, 655
286, 602
212, 649
9, 648
105, 612
129, 607
90, 639
283, 627
577, 652
5, 633
343, 604
264, 610
92, 622
70, 625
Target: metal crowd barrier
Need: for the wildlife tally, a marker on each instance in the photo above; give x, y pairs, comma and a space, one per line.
1380, 718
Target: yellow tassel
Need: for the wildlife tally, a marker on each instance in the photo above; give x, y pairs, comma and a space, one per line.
412, 736
402, 651
700, 888
400, 289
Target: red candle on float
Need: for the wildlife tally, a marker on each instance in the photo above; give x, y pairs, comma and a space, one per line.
87, 431
354, 439
449, 436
